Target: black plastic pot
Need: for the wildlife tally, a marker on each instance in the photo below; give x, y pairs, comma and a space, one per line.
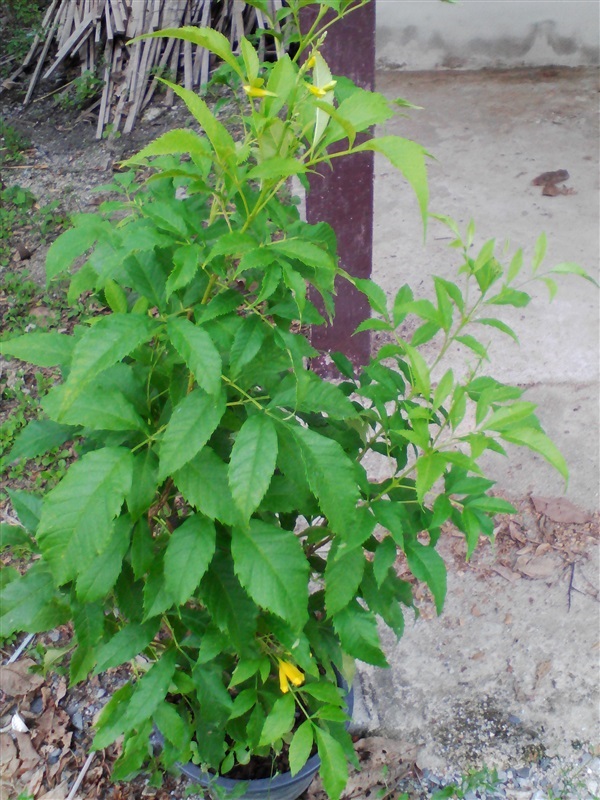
280, 787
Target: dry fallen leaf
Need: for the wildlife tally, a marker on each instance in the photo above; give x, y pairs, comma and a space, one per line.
507, 573
542, 669
536, 568
16, 680
559, 509
9, 759
27, 754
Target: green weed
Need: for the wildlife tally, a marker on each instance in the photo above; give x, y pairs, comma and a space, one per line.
12, 143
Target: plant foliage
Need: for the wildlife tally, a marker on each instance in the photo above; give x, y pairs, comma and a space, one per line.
220, 526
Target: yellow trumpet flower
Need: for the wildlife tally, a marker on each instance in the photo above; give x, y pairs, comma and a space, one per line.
289, 672
311, 62
320, 91
255, 91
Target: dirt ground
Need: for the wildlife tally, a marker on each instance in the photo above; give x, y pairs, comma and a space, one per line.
508, 674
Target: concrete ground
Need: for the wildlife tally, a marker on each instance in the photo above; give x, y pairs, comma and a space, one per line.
512, 660
491, 134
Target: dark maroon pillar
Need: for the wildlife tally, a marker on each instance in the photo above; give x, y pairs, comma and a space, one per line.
343, 196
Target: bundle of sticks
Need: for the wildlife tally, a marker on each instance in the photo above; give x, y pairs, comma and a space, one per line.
96, 33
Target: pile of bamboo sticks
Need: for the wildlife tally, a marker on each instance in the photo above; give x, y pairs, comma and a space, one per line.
95, 33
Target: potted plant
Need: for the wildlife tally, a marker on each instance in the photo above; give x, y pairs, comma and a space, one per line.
219, 531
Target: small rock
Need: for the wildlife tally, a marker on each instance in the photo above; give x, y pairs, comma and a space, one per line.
100, 693
77, 720
539, 795
523, 772
54, 756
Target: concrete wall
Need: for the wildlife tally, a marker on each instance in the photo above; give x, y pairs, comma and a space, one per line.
474, 34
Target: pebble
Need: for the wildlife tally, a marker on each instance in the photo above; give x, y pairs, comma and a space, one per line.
77, 720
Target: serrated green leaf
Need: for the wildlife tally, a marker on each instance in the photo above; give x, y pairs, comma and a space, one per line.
28, 508
373, 325
276, 168
360, 110
515, 267
72, 244
38, 437
501, 326
31, 603
343, 575
232, 610
506, 416
192, 423
427, 565
157, 598
539, 442
375, 295
136, 750
570, 268
88, 621
208, 38
491, 505
96, 581
48, 349
167, 216
272, 567
509, 297
392, 516
218, 135
179, 140
196, 348
301, 746
186, 260
125, 645
144, 487
11, 535
304, 251
247, 343
539, 252
421, 378
188, 554
409, 158
357, 629
473, 344
115, 297
279, 721
204, 483
443, 389
334, 764
147, 695
331, 477
95, 407
93, 489
142, 548
171, 725
385, 557
252, 463
104, 344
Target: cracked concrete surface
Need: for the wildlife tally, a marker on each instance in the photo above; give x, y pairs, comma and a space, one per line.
522, 671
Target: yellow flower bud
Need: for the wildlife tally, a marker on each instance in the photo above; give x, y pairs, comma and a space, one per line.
289, 672
255, 91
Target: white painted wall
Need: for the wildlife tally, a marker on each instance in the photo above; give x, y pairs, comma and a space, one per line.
474, 34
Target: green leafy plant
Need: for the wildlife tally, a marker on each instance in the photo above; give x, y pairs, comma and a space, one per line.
12, 143
474, 779
21, 23
18, 210
80, 91
220, 531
